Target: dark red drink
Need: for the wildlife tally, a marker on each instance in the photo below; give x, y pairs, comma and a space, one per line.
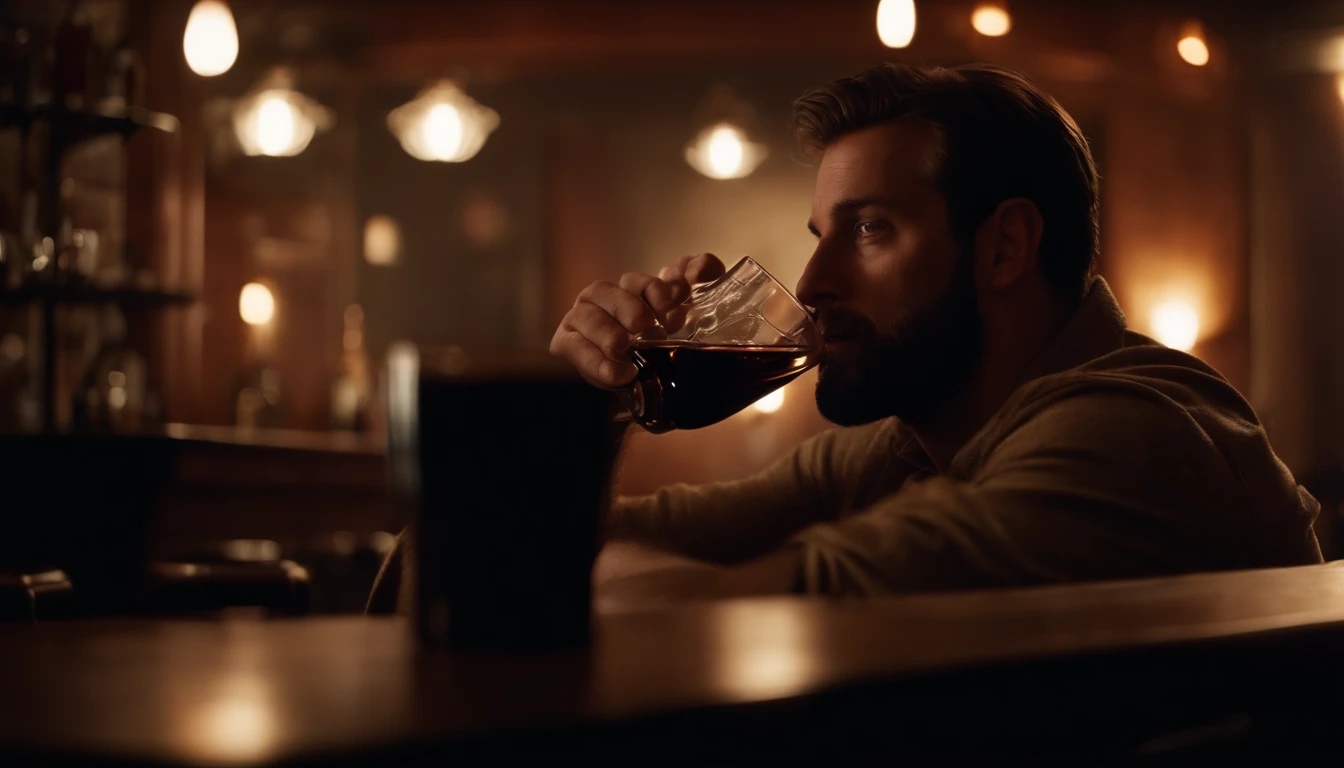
683, 385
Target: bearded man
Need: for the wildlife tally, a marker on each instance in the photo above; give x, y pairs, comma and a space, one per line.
998, 424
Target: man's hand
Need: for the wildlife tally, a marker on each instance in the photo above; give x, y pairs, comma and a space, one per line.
596, 332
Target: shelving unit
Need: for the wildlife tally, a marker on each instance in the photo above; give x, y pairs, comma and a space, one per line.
67, 128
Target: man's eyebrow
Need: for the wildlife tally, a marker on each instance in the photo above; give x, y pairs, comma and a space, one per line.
849, 205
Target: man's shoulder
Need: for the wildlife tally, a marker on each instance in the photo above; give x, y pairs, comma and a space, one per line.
1143, 399
1141, 373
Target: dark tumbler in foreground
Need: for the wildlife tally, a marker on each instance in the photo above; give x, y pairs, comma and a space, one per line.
505, 462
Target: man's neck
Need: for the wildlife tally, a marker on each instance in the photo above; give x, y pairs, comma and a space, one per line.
943, 432
1006, 359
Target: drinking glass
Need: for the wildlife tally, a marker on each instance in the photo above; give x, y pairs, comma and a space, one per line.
732, 342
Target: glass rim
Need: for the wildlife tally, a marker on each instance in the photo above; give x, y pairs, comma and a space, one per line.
810, 314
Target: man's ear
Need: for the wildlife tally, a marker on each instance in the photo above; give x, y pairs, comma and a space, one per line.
1008, 242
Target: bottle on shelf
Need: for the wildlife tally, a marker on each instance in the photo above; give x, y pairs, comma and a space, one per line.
112, 393
351, 391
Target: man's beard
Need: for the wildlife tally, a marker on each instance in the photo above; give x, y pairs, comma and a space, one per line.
907, 370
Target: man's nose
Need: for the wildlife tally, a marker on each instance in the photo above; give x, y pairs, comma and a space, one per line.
819, 284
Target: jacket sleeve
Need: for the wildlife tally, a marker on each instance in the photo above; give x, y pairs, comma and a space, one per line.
730, 522
1108, 485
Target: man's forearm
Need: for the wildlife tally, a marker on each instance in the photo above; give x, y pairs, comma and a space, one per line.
631, 575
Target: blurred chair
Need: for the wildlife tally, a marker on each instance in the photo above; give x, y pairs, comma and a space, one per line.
35, 595
393, 587
1327, 485
343, 565
247, 573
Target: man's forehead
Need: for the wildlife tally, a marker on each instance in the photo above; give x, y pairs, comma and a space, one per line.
878, 159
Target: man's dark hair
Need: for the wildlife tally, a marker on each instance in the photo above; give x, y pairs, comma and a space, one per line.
1002, 137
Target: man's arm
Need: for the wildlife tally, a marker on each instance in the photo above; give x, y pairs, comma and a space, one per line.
629, 574
1104, 486
730, 523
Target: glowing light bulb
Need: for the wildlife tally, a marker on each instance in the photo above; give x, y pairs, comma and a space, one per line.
723, 152
256, 304
1192, 47
278, 122
771, 402
442, 131
991, 20
442, 124
275, 126
210, 41
1176, 324
382, 241
896, 22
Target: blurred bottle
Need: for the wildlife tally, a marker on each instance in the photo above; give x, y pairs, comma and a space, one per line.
35, 257
351, 392
112, 394
257, 403
9, 246
15, 383
125, 82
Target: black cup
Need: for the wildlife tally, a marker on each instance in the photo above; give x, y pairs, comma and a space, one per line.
506, 463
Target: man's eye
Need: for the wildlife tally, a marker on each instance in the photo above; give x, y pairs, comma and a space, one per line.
869, 228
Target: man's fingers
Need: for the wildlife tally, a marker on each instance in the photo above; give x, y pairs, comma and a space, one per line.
596, 333
700, 267
636, 282
600, 329
594, 366
628, 308
660, 294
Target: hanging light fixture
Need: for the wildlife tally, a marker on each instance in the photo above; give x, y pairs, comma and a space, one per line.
442, 124
278, 122
722, 151
1192, 47
210, 41
896, 22
991, 19
721, 147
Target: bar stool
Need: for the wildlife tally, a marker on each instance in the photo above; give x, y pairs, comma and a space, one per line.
35, 595
247, 574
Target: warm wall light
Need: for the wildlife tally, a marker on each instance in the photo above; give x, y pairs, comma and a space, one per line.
1339, 85
382, 241
991, 20
722, 151
210, 41
1192, 47
1176, 324
278, 122
442, 124
771, 402
256, 304
896, 22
